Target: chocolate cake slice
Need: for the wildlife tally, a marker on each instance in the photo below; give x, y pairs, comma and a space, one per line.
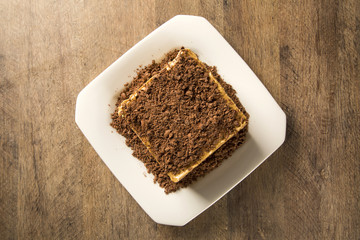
182, 115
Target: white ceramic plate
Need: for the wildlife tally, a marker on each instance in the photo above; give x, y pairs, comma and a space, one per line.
266, 128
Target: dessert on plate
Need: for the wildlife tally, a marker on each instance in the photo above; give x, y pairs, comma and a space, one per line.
180, 118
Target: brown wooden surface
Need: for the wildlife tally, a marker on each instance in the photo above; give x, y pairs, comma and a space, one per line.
54, 186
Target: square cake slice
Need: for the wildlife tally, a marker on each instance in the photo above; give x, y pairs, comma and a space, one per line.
182, 115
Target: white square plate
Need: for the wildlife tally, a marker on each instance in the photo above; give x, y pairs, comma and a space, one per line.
266, 127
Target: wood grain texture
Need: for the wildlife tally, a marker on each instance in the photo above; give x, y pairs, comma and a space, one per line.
54, 186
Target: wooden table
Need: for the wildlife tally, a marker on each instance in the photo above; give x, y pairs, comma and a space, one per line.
54, 186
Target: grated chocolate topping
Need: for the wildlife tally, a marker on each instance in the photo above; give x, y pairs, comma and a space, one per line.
172, 128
